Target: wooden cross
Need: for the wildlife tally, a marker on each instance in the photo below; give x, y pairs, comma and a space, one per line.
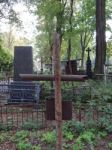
57, 77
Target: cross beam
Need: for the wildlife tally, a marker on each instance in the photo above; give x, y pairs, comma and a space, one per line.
34, 77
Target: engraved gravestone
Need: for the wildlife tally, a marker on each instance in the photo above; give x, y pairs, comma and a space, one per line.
19, 90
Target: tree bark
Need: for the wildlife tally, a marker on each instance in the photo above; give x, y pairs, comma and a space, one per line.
69, 40
100, 36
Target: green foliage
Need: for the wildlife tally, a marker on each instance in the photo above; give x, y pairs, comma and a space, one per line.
102, 134
87, 137
5, 59
75, 127
78, 146
97, 93
6, 127
109, 49
2, 126
101, 92
104, 123
68, 135
53, 14
49, 13
91, 123
3, 137
29, 125
8, 13
83, 96
110, 146
37, 147
24, 146
49, 137
21, 140
21, 135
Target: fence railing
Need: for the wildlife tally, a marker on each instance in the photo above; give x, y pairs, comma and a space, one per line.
13, 117
87, 112
33, 115
30, 117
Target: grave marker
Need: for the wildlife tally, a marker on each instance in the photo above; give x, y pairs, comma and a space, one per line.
23, 61
19, 91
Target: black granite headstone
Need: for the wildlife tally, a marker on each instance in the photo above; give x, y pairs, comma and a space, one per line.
20, 91
23, 61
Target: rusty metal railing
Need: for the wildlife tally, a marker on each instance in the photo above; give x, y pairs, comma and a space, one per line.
28, 116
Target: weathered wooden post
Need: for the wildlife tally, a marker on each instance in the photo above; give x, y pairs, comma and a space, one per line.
57, 78
58, 99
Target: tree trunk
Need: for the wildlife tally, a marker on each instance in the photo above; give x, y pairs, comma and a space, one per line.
100, 36
59, 23
69, 40
82, 58
69, 55
83, 43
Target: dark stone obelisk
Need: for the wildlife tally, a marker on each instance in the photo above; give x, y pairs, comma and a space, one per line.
23, 61
23, 91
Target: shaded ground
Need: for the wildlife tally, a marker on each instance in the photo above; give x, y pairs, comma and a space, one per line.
10, 143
